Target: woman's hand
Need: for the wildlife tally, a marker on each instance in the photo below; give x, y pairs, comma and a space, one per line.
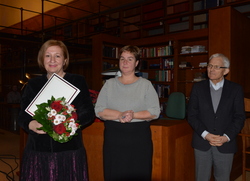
33, 125
126, 116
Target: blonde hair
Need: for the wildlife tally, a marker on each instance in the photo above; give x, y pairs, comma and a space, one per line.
46, 45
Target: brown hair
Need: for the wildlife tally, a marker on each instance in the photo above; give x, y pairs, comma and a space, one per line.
132, 49
46, 45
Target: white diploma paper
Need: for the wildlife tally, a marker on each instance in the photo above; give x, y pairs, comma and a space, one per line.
56, 87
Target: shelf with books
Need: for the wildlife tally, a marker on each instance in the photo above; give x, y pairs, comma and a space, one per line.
162, 90
200, 21
176, 7
190, 75
110, 51
192, 62
158, 62
152, 19
105, 57
113, 23
178, 24
110, 60
131, 18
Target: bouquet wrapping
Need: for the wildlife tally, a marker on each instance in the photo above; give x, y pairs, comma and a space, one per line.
59, 119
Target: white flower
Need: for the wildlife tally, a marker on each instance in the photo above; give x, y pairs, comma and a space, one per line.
70, 108
53, 112
73, 127
49, 114
57, 121
60, 117
72, 133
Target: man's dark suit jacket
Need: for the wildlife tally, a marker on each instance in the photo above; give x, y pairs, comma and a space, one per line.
229, 117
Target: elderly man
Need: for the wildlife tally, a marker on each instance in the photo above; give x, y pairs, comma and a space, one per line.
216, 114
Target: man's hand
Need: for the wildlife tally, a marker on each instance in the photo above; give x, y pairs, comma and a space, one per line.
216, 140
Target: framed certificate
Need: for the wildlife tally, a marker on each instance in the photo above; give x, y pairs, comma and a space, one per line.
56, 87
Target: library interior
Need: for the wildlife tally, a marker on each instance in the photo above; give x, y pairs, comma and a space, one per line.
176, 38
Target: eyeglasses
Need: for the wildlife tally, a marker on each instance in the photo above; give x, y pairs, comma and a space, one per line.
216, 67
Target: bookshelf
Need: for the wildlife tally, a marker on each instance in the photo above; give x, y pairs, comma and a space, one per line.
104, 56
131, 17
189, 60
157, 62
144, 19
221, 36
152, 14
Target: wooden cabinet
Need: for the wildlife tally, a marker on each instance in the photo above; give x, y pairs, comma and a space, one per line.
173, 158
229, 34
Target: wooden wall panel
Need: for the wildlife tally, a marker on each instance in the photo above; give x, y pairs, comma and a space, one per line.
229, 35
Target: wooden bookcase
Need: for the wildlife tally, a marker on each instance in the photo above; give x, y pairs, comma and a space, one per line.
177, 82
104, 56
130, 17
153, 59
227, 33
216, 39
193, 71
157, 65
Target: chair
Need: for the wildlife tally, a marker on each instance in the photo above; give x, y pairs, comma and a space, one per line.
176, 106
245, 134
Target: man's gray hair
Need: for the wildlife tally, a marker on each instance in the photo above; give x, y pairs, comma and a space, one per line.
224, 58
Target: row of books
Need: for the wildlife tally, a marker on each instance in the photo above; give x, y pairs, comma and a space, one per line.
167, 63
163, 91
107, 66
111, 52
157, 51
193, 49
164, 75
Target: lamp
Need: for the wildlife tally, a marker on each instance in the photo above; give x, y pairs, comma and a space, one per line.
113, 71
22, 82
27, 75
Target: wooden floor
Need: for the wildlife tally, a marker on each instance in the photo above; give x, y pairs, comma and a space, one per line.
9, 154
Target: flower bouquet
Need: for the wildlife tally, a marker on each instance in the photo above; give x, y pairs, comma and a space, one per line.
59, 119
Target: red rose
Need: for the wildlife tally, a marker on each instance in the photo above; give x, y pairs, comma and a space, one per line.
74, 115
56, 105
59, 129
